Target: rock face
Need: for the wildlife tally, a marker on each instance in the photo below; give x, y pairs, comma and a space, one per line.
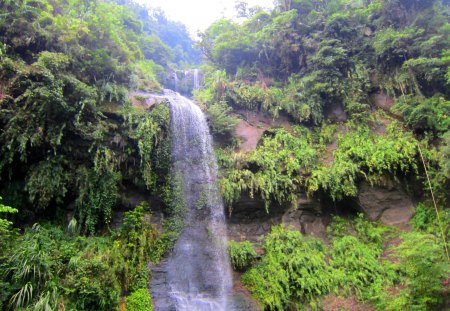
336, 113
145, 100
249, 135
249, 219
382, 100
307, 217
390, 203
252, 127
159, 286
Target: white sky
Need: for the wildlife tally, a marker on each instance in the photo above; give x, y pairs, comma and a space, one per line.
199, 14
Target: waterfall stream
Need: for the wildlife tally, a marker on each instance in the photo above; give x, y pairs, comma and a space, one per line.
198, 269
195, 78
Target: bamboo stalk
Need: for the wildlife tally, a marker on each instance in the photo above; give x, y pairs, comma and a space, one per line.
434, 203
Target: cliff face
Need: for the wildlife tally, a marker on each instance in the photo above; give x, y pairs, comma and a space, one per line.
248, 218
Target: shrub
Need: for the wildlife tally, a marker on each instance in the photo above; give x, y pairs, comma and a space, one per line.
293, 269
4, 223
221, 121
90, 285
140, 300
425, 113
357, 267
242, 254
423, 267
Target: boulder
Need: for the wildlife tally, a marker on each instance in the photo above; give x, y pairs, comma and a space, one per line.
305, 216
336, 113
382, 100
249, 220
389, 203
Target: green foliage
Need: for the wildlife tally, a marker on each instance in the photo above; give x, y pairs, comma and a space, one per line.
150, 130
132, 249
423, 267
97, 196
4, 223
360, 153
426, 220
391, 46
273, 170
425, 113
47, 268
284, 161
86, 294
242, 254
30, 269
221, 121
47, 181
254, 97
293, 269
140, 300
357, 268
369, 233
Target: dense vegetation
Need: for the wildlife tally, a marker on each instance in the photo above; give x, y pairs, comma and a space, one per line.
306, 58
365, 87
72, 146
298, 270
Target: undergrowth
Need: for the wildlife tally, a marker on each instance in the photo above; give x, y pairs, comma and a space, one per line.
296, 271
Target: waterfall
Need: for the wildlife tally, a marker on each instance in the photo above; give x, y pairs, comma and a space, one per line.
175, 80
198, 269
196, 83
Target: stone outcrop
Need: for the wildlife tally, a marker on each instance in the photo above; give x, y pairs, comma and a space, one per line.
336, 113
389, 203
382, 100
145, 100
249, 219
253, 125
306, 216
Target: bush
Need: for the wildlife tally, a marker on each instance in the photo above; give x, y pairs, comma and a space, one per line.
221, 121
357, 267
429, 114
90, 284
4, 223
140, 300
423, 267
242, 254
293, 269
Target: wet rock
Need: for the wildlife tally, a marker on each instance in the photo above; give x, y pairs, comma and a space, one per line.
305, 216
252, 127
336, 113
160, 288
146, 100
249, 220
389, 203
382, 100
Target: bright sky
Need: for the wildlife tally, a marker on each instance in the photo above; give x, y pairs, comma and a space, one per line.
199, 14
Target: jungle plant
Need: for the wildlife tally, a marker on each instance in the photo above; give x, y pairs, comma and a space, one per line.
140, 300
293, 269
242, 254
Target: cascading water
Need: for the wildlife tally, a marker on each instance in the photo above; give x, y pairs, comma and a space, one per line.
198, 270
196, 82
175, 80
